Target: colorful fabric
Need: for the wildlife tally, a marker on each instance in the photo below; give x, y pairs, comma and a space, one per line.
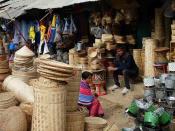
85, 95
96, 108
32, 33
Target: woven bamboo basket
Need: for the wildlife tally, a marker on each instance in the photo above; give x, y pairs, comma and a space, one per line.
95, 124
150, 45
73, 86
13, 119
49, 109
71, 101
143, 41
22, 91
159, 30
75, 121
137, 57
143, 61
71, 56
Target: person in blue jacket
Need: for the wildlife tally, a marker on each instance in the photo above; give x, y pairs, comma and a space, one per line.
12, 49
124, 65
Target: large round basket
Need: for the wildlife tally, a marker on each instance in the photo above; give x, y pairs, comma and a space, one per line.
49, 109
95, 124
75, 121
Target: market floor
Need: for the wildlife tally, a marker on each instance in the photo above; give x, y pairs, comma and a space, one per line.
114, 105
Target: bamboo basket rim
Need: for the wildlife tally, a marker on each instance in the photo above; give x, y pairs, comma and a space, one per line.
40, 69
55, 64
95, 122
53, 77
55, 69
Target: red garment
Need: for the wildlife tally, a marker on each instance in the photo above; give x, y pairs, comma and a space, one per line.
96, 108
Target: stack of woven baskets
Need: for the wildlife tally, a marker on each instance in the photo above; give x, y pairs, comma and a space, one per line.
4, 65
50, 94
23, 64
93, 59
173, 32
7, 99
75, 118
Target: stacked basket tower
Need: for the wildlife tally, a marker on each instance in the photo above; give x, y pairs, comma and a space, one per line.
53, 110
4, 66
23, 64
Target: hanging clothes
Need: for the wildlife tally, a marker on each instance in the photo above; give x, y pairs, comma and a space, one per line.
32, 34
73, 28
58, 38
42, 31
16, 38
66, 29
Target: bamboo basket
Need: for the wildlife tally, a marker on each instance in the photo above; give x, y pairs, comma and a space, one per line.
143, 61
95, 124
71, 57
143, 41
22, 91
75, 121
159, 30
49, 109
138, 58
71, 101
150, 45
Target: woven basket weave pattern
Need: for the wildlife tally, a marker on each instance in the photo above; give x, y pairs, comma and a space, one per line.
49, 109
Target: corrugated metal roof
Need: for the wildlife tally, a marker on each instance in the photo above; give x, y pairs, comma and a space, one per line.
15, 8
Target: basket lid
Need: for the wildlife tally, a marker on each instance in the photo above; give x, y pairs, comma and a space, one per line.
95, 121
162, 49
24, 52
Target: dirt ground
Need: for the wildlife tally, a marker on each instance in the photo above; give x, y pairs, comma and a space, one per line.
114, 105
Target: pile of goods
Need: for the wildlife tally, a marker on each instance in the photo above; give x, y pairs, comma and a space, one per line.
172, 41
4, 66
23, 64
54, 70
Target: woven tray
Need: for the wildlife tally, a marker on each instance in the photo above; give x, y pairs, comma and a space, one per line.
40, 69
2, 71
56, 69
56, 64
53, 77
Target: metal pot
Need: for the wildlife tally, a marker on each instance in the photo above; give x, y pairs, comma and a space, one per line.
79, 46
171, 101
160, 94
148, 81
170, 82
162, 78
157, 82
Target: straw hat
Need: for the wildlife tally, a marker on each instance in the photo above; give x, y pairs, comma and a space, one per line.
24, 52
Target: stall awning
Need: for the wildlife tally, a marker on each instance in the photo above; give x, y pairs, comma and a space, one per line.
45, 4
15, 8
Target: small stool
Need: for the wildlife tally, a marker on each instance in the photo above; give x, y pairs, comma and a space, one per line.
162, 67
